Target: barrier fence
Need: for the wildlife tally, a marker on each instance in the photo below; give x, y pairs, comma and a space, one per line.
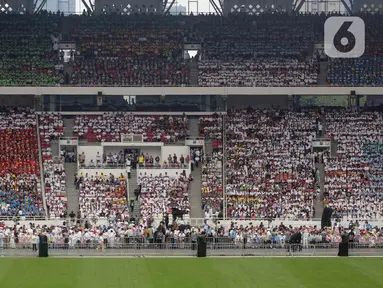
188, 249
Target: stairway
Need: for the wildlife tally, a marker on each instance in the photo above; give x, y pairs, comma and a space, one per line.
71, 191
193, 72
320, 180
208, 147
322, 77
195, 194
68, 127
55, 148
132, 186
334, 149
323, 123
193, 126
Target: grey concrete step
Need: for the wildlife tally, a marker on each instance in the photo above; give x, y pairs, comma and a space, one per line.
320, 181
334, 149
132, 186
195, 194
193, 72
68, 127
193, 127
72, 192
208, 148
55, 148
322, 77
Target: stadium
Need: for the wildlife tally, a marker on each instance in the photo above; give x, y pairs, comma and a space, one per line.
214, 143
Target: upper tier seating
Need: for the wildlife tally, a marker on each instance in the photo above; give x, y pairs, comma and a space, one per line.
129, 51
26, 50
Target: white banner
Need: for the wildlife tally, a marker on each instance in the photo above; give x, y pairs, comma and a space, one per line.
192, 47
319, 144
71, 142
194, 142
67, 46
125, 138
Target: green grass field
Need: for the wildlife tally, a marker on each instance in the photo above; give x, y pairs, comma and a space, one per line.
193, 273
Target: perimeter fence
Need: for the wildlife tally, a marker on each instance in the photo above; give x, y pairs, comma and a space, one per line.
187, 249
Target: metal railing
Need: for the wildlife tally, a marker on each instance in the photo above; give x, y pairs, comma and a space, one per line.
138, 166
180, 85
187, 249
164, 166
42, 180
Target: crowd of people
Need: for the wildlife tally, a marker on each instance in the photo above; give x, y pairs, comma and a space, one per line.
27, 55
51, 127
102, 195
211, 129
20, 192
365, 70
353, 180
269, 164
271, 72
162, 193
132, 232
250, 51
109, 127
272, 49
135, 52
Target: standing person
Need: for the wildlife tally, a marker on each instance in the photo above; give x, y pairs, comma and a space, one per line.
244, 236
306, 239
1, 241
101, 244
34, 241
43, 245
197, 157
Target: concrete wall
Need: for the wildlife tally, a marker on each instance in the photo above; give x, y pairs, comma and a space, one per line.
162, 152
154, 151
90, 152
155, 172
178, 150
115, 172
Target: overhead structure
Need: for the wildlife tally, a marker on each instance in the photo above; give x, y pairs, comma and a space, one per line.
167, 9
16, 6
128, 7
89, 5
217, 6
256, 7
324, 6
370, 6
37, 7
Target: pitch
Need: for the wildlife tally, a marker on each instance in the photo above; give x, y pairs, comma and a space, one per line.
185, 273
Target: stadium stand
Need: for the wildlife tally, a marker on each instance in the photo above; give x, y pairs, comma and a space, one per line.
365, 70
354, 179
133, 51
27, 55
273, 50
19, 163
269, 163
51, 127
211, 128
109, 127
161, 193
102, 195
269, 157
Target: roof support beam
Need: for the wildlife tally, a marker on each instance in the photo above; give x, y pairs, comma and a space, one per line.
216, 8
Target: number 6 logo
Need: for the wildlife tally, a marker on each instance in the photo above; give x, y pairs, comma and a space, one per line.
344, 37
